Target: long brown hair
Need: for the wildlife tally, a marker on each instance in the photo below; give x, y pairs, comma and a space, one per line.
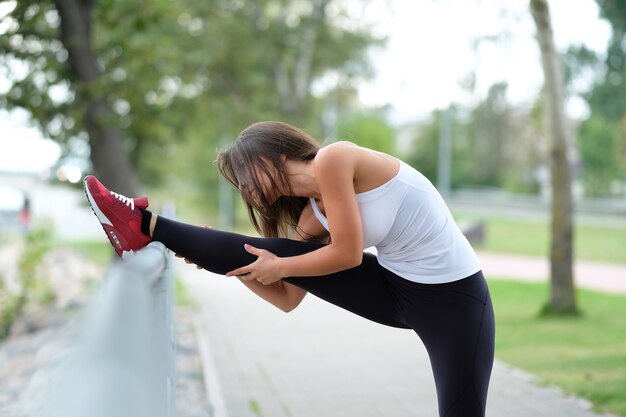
260, 146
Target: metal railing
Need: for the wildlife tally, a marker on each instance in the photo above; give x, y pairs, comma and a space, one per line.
123, 365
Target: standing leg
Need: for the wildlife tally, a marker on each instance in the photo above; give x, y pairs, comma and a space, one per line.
456, 323
363, 290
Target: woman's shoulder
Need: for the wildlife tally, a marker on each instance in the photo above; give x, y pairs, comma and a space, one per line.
339, 147
336, 163
367, 167
350, 154
340, 151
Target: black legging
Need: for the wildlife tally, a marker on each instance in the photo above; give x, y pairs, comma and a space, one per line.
454, 320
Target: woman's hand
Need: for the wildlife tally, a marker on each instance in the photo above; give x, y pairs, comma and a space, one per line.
266, 269
187, 261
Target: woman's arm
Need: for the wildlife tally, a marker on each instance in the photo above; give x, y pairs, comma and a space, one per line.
335, 168
282, 294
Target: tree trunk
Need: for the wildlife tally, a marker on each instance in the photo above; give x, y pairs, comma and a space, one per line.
562, 296
110, 160
294, 89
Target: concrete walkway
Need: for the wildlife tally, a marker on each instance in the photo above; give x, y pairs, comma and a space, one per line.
321, 361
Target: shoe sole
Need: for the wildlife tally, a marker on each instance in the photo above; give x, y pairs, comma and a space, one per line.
103, 219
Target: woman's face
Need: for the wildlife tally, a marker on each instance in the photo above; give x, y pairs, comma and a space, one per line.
271, 192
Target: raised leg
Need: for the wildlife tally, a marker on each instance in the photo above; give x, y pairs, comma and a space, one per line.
363, 290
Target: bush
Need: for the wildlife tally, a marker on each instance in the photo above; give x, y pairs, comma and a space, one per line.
34, 287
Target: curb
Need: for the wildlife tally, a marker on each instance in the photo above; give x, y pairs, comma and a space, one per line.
212, 384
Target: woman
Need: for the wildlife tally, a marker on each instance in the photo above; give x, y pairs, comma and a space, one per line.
318, 208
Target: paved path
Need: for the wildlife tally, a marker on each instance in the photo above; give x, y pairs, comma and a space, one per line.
321, 361
593, 275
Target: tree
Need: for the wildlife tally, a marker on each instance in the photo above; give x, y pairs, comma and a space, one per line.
598, 144
489, 134
74, 86
145, 82
369, 130
602, 137
562, 295
34, 39
425, 150
607, 96
256, 69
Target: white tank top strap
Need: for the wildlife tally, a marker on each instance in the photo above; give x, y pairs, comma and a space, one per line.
318, 213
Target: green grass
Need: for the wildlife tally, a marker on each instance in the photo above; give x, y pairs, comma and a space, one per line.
585, 355
531, 237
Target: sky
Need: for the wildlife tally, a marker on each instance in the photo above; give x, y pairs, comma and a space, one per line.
431, 50
434, 46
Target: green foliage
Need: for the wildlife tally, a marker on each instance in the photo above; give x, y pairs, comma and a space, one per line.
34, 287
368, 130
519, 179
10, 308
32, 43
424, 156
583, 355
598, 143
493, 145
579, 60
37, 244
182, 77
602, 141
489, 130
425, 153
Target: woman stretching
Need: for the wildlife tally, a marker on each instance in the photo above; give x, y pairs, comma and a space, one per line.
318, 208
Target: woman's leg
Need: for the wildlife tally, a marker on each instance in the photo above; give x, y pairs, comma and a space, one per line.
363, 290
456, 323
128, 225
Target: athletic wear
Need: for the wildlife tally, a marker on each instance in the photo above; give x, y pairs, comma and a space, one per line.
119, 216
413, 230
454, 320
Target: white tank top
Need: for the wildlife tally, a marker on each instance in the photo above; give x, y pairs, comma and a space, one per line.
412, 229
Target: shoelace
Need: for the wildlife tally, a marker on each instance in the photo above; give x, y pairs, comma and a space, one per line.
128, 201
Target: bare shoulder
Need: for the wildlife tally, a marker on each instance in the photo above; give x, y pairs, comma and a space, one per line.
335, 153
368, 168
338, 148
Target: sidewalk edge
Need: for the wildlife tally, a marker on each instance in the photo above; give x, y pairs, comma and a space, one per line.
209, 371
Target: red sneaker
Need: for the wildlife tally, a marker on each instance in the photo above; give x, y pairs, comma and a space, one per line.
119, 216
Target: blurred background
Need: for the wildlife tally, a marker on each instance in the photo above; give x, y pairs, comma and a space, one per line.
143, 94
